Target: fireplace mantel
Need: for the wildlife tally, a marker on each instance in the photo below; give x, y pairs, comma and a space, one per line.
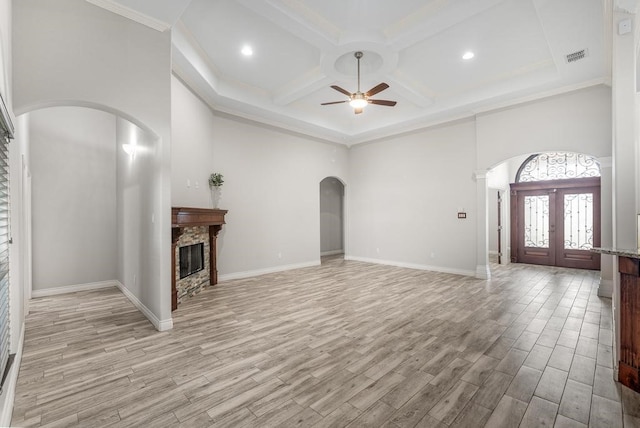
186, 217
182, 217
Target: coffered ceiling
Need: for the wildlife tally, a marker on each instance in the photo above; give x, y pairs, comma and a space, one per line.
302, 47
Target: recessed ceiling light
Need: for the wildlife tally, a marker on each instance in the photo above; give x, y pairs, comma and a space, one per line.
247, 50
468, 55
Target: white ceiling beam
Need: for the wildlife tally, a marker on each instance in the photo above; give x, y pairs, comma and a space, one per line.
297, 19
400, 86
433, 18
302, 86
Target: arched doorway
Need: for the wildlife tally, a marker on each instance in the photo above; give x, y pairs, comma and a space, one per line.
555, 211
104, 166
331, 217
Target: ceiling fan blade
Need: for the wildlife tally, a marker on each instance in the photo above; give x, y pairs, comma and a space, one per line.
357, 110
334, 102
383, 102
378, 88
344, 91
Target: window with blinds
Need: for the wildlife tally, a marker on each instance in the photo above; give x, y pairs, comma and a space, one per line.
6, 135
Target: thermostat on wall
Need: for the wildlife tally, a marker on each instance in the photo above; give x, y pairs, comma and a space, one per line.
462, 215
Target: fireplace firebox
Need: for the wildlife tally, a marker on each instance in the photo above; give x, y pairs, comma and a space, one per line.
191, 259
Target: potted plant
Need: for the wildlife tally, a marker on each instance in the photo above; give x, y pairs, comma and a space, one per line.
216, 180
215, 183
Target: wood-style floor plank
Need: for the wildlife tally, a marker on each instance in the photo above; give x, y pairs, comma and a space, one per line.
342, 344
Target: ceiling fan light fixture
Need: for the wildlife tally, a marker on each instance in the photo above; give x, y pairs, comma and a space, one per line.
358, 102
246, 50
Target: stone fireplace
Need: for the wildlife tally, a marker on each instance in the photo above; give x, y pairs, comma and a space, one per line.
194, 234
191, 278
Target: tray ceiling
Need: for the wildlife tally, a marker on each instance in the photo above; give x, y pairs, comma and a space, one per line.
302, 47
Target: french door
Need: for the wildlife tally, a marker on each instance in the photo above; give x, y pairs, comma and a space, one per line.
556, 223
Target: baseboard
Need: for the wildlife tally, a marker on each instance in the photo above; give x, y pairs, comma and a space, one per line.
412, 266
160, 325
9, 391
483, 272
274, 269
605, 288
73, 288
331, 253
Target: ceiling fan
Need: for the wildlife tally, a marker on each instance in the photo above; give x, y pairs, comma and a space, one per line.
358, 100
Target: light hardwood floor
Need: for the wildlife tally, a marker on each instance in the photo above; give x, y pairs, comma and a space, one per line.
342, 344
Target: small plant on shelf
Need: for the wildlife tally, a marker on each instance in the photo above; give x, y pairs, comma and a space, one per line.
216, 180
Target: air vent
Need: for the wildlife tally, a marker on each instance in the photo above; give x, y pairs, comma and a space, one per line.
576, 56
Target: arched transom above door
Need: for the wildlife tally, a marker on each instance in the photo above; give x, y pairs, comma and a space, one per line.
557, 166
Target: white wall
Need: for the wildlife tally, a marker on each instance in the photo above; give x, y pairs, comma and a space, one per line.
271, 185
404, 196
72, 52
139, 229
394, 182
331, 216
193, 132
578, 122
74, 196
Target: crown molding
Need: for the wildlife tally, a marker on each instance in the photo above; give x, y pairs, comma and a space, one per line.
134, 15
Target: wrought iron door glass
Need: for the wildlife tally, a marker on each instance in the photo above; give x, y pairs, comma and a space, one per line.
536, 221
578, 221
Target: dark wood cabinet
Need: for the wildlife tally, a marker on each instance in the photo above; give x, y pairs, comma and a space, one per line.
629, 364
182, 217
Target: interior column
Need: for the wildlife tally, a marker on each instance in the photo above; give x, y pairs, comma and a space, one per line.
607, 266
482, 226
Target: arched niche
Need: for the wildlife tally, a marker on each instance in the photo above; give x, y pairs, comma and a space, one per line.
332, 216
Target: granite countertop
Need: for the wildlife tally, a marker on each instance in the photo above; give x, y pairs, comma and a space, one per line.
634, 254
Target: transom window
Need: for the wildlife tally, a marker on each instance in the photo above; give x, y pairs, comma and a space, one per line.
558, 166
